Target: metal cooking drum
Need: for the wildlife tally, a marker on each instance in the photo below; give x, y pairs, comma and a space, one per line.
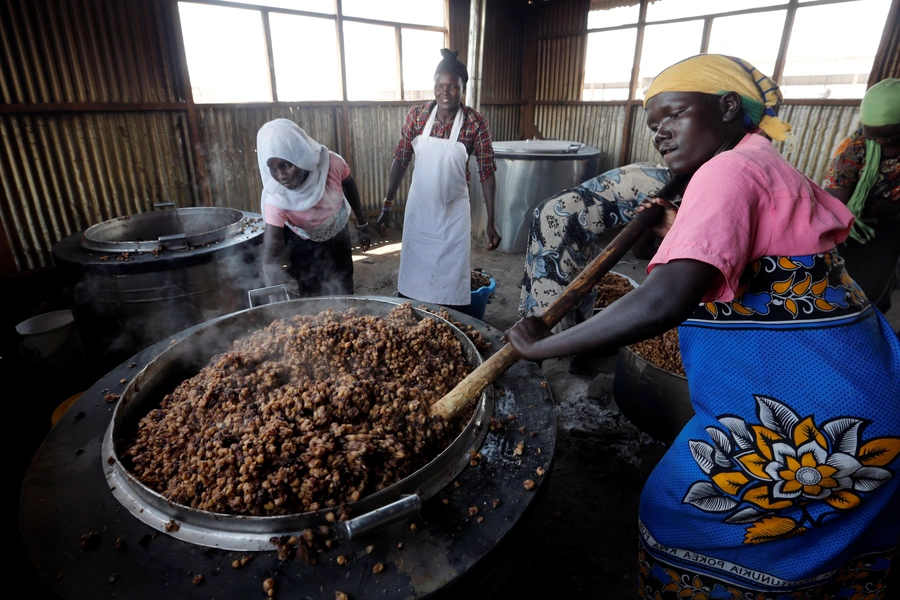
134, 280
240, 532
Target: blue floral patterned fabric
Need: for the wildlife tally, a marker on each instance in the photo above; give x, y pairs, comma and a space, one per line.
784, 484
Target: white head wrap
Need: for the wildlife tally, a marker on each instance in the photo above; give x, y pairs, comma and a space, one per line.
284, 139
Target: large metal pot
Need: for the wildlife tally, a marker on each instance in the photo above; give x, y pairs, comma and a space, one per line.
656, 401
450, 554
529, 172
236, 532
136, 279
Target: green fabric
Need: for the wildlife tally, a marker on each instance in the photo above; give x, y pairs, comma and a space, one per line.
754, 109
881, 104
862, 231
879, 107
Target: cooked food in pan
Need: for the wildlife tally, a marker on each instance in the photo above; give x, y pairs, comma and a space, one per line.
307, 413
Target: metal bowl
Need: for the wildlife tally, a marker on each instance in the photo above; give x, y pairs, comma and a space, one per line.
173, 229
238, 532
656, 401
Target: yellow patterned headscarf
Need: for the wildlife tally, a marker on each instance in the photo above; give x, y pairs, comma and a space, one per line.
719, 74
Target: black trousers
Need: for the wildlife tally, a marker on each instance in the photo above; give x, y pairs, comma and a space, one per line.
321, 268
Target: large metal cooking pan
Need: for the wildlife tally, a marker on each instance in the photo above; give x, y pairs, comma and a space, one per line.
237, 532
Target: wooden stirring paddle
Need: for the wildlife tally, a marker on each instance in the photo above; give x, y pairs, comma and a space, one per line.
470, 387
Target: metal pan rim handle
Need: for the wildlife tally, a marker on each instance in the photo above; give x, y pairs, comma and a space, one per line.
405, 507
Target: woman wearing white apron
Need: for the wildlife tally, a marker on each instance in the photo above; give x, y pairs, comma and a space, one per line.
434, 259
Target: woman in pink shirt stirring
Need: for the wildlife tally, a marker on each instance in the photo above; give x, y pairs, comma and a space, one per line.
783, 484
307, 198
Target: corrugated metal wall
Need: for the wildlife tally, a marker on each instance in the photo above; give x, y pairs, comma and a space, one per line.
598, 125
503, 47
503, 121
818, 131
567, 17
458, 23
374, 132
560, 68
228, 138
86, 51
63, 173
127, 144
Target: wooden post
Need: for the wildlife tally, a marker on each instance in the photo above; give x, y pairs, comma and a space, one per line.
529, 72
476, 53
193, 126
890, 41
625, 152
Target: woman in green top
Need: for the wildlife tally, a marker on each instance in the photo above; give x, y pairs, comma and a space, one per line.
865, 175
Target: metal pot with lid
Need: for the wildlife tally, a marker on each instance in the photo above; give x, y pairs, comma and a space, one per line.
529, 172
135, 279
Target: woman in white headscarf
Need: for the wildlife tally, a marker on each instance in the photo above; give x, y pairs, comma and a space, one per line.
307, 197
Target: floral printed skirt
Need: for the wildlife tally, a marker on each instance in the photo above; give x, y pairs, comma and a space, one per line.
564, 230
784, 484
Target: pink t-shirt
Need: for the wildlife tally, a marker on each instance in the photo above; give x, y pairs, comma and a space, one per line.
747, 203
331, 202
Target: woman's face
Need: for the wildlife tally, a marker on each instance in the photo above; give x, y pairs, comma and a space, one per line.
286, 173
886, 136
447, 90
689, 128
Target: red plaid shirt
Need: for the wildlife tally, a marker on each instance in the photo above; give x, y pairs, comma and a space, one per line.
474, 133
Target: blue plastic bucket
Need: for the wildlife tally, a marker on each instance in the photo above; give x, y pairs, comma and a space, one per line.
480, 299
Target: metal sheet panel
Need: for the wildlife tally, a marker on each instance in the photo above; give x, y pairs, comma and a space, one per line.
598, 125
228, 138
560, 71
458, 21
563, 17
374, 132
503, 49
503, 120
61, 173
86, 51
818, 131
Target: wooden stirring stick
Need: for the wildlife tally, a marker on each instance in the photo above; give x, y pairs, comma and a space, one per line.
470, 387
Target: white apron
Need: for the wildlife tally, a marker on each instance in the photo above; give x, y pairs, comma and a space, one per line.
434, 257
